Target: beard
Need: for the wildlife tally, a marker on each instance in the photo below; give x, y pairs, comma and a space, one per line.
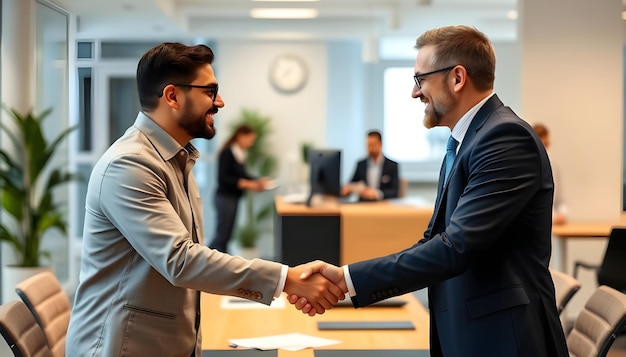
195, 125
436, 111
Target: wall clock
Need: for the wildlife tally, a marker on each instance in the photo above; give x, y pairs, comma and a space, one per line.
288, 73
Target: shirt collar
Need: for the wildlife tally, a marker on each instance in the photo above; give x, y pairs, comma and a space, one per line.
164, 144
460, 129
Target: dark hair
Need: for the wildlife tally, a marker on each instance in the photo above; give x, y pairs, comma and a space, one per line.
462, 45
168, 63
375, 133
541, 130
243, 129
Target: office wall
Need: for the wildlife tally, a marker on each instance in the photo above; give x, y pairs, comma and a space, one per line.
573, 82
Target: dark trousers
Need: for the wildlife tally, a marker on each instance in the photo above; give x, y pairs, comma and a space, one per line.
226, 208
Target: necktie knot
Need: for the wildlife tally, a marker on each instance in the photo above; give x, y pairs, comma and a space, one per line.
450, 155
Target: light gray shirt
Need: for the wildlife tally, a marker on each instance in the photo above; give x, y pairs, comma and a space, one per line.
143, 258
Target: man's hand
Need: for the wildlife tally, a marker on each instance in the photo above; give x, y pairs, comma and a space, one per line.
369, 193
332, 273
320, 293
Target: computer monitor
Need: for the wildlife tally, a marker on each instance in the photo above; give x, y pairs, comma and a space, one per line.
325, 174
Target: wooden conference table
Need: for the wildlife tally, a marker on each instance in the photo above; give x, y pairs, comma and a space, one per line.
347, 233
221, 324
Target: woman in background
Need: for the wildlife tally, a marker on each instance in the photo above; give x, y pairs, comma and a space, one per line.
232, 181
559, 208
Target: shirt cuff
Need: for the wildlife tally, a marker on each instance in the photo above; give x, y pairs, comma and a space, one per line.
281, 281
348, 279
380, 194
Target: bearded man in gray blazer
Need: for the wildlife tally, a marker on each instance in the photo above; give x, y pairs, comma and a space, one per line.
143, 260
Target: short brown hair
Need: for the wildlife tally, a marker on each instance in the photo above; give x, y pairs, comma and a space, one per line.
375, 134
541, 130
168, 63
462, 45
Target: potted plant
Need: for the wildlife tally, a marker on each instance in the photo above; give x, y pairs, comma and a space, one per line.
27, 184
262, 164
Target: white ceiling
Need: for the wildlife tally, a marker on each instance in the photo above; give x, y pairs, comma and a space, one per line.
228, 19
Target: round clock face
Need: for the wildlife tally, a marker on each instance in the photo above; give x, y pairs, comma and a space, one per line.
288, 73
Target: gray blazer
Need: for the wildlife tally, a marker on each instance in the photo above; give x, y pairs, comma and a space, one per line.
143, 259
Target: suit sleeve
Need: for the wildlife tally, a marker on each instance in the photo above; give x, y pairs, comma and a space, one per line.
137, 204
502, 175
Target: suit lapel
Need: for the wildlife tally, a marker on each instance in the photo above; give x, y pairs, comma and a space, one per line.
442, 189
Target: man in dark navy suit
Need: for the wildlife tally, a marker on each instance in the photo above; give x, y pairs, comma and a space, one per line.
484, 256
376, 176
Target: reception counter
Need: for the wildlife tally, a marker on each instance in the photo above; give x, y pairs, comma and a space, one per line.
346, 233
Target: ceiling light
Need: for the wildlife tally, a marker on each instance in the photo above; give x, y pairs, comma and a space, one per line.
283, 13
511, 15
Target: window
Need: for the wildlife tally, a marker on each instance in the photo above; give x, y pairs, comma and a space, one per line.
419, 150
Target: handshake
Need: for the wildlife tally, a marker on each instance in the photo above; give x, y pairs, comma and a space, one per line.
315, 287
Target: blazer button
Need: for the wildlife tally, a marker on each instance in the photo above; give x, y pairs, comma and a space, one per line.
259, 296
373, 297
241, 292
396, 290
379, 294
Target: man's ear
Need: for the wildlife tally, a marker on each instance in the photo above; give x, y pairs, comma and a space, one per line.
460, 78
169, 94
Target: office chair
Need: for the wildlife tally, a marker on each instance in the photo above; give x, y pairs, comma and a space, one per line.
598, 324
565, 287
404, 187
49, 305
611, 271
21, 331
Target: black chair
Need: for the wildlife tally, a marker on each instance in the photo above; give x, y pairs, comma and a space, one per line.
611, 271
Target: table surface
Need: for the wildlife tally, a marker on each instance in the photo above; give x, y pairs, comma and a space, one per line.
583, 230
220, 324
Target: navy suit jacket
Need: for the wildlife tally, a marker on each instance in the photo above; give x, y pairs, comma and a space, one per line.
485, 253
389, 180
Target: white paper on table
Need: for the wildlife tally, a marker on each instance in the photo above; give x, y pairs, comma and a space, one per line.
289, 342
233, 302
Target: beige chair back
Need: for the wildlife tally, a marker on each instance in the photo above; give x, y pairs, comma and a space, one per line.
50, 306
597, 325
565, 287
403, 188
21, 331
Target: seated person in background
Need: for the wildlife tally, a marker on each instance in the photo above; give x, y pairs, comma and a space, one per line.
559, 209
375, 177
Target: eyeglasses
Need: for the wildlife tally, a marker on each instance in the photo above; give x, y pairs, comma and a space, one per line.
420, 76
211, 88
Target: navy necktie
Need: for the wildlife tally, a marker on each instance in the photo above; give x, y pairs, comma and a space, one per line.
450, 155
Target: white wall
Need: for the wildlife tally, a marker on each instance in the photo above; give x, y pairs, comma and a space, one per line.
572, 63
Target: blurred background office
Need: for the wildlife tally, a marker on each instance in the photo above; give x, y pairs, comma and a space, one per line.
353, 61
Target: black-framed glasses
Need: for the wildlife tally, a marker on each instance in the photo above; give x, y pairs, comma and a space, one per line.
211, 88
418, 77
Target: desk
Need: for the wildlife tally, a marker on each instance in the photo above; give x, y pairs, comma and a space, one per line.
568, 231
346, 233
218, 325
